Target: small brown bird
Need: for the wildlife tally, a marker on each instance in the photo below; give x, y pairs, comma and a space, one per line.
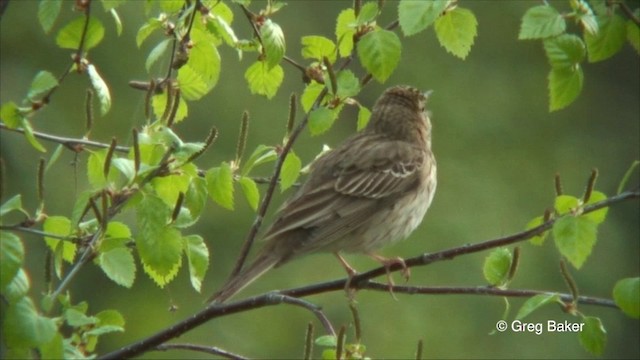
371, 191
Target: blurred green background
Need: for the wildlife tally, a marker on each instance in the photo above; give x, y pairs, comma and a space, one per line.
497, 146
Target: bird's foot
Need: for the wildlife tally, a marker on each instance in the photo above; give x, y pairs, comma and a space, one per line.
388, 263
351, 273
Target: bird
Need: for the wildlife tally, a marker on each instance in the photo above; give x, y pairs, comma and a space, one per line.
372, 190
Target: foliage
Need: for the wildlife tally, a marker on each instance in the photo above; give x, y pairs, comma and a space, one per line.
157, 181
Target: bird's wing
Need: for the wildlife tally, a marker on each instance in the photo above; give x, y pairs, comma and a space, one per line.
332, 204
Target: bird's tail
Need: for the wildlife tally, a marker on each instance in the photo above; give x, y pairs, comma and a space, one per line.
258, 267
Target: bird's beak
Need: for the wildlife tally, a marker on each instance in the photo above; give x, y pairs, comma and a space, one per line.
427, 93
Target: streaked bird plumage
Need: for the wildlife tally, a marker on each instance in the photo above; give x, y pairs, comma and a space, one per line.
372, 190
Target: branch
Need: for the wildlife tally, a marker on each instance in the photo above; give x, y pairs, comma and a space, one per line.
483, 290
363, 281
26, 229
449, 254
208, 313
628, 12
200, 348
71, 143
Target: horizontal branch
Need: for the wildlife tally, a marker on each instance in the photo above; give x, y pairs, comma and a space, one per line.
363, 281
71, 143
200, 348
483, 290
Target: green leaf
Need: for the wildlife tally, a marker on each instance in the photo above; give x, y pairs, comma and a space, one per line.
116, 20
126, 167
219, 26
348, 84
541, 22
597, 216
171, 6
192, 85
251, 192
364, 115
159, 245
48, 11
168, 188
13, 204
345, 29
102, 90
220, 185
11, 115
31, 138
320, 120
310, 94
565, 51
76, 318
95, 169
565, 204
261, 155
456, 31
633, 34
116, 230
379, 53
61, 226
565, 84
146, 30
53, 349
42, 83
593, 336
196, 197
496, 266
626, 294
118, 264
415, 16
80, 204
262, 80
327, 341
11, 258
290, 170
201, 73
17, 288
23, 327
198, 257
155, 54
70, 35
608, 40
54, 157
110, 317
273, 42
535, 302
535, 222
368, 13
160, 254
574, 237
317, 47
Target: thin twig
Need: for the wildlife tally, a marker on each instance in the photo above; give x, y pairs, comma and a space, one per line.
201, 348
266, 201
629, 13
29, 230
315, 309
68, 142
